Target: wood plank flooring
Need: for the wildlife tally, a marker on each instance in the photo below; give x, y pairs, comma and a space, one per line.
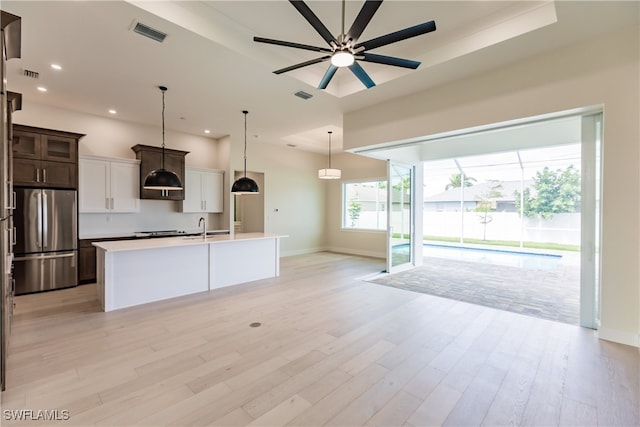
331, 350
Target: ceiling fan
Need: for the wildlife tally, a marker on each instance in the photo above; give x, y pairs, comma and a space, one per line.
345, 50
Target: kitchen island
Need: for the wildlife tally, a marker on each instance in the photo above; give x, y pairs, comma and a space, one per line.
133, 272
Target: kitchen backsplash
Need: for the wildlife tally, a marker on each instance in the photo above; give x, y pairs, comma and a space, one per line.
153, 215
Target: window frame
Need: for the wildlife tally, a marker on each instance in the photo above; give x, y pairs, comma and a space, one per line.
380, 206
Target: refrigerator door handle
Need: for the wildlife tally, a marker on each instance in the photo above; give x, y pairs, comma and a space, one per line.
36, 257
39, 219
45, 220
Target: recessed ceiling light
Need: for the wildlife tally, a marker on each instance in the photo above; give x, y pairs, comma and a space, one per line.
112, 111
42, 88
207, 131
56, 67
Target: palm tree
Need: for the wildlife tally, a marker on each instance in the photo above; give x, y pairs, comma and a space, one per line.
455, 181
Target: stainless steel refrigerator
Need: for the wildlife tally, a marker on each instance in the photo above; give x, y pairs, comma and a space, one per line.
46, 240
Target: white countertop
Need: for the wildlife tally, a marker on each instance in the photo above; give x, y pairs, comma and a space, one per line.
169, 242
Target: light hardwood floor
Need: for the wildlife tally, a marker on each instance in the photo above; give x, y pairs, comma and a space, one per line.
332, 349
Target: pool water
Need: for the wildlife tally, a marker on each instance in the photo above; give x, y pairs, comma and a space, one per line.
526, 260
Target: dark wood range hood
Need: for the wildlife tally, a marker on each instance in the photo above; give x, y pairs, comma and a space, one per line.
151, 159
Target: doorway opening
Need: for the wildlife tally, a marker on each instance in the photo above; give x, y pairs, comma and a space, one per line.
507, 225
248, 210
523, 196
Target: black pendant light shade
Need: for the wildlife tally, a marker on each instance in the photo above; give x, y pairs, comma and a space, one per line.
162, 179
245, 185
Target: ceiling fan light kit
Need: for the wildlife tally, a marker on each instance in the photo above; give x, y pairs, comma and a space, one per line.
342, 59
345, 50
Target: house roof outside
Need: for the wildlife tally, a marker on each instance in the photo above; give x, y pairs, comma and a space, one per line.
367, 193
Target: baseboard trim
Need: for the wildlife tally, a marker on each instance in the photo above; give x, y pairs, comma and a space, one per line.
305, 251
350, 251
620, 337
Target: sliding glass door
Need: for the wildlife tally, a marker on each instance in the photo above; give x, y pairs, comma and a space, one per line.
590, 224
400, 224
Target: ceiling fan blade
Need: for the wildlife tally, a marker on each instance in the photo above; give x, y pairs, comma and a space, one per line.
327, 76
302, 64
314, 21
397, 36
362, 75
390, 60
362, 20
291, 44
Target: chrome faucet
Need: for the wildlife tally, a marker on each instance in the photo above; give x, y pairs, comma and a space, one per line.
203, 222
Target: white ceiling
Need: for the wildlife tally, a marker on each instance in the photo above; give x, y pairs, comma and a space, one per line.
214, 70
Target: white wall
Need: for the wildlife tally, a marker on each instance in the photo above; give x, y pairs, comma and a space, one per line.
359, 242
114, 138
603, 72
294, 197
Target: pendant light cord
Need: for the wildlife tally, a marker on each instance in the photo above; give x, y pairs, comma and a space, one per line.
163, 89
330, 132
245, 112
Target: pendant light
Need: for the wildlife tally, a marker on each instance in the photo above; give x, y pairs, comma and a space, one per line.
162, 179
245, 185
329, 173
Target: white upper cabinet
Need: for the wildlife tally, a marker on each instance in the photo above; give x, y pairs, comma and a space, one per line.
203, 190
108, 185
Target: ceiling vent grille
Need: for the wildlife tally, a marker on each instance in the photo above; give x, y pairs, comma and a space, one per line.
31, 74
303, 94
147, 31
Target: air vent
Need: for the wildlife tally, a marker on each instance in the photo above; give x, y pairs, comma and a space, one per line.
147, 31
31, 74
303, 95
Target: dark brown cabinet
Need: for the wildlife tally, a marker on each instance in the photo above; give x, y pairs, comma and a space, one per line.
86, 262
151, 159
10, 47
44, 157
38, 173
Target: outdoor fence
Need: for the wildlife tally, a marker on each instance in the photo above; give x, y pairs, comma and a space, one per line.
562, 228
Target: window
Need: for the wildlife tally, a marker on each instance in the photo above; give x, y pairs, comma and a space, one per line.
363, 205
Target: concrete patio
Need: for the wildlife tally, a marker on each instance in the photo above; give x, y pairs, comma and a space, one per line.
548, 294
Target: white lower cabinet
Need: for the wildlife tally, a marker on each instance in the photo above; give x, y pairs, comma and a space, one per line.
203, 190
108, 185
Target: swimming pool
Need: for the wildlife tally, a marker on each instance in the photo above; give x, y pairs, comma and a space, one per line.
512, 258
